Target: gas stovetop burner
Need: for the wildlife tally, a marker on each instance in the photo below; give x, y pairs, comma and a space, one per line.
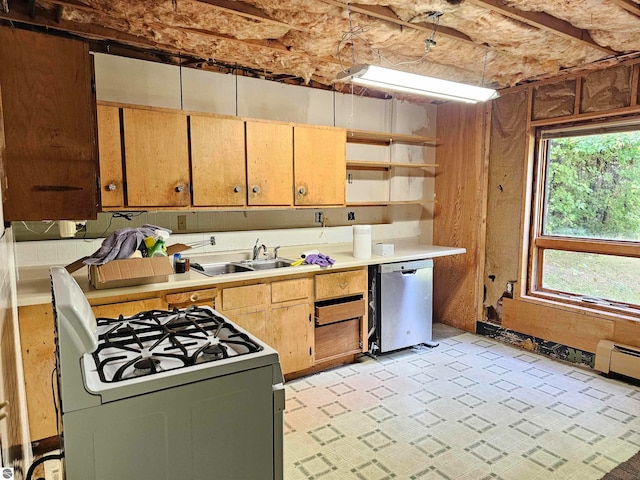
156, 341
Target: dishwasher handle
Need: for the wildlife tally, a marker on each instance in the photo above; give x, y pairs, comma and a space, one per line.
409, 272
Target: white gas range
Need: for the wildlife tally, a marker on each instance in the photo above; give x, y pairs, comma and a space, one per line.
182, 394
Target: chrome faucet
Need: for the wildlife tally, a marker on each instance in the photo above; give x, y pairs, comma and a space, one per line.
275, 252
257, 248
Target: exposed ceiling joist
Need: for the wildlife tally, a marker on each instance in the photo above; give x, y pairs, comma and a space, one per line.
385, 13
43, 18
247, 11
546, 22
629, 6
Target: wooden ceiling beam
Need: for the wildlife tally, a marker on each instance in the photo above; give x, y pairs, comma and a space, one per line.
43, 18
629, 6
545, 22
245, 10
385, 13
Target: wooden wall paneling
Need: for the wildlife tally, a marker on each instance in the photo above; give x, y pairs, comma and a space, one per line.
38, 360
572, 328
458, 213
51, 156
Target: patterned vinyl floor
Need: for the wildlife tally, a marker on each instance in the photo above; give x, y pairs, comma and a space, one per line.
470, 409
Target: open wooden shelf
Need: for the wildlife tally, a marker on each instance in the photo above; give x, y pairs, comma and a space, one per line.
366, 165
385, 138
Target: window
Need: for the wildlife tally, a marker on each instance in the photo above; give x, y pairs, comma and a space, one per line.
585, 243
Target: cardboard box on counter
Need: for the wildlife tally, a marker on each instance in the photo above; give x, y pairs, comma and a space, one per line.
129, 272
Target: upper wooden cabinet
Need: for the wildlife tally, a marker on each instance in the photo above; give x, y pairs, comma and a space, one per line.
156, 152
218, 161
160, 158
51, 156
269, 163
110, 149
319, 165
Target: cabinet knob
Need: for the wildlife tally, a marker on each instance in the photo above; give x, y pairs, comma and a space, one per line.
193, 297
302, 190
111, 187
255, 189
237, 189
180, 188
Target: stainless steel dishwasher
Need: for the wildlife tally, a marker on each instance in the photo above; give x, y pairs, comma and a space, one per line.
403, 305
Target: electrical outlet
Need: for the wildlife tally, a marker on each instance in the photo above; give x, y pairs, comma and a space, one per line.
351, 216
212, 240
319, 217
182, 222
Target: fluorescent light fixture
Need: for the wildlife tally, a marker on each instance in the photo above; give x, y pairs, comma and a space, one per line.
389, 79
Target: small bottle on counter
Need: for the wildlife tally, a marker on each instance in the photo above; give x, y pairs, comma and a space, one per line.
181, 265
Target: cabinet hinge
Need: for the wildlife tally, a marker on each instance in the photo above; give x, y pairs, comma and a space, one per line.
309, 318
309, 350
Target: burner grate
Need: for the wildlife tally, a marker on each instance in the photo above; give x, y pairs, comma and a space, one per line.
155, 341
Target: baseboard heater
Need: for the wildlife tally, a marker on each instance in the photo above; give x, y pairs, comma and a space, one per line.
612, 357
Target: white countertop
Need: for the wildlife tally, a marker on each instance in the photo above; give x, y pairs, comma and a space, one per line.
34, 287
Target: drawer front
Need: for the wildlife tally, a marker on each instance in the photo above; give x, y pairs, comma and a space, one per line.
287, 290
112, 310
247, 296
201, 297
337, 339
340, 284
326, 314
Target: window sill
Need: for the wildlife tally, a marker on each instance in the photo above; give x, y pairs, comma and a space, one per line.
571, 304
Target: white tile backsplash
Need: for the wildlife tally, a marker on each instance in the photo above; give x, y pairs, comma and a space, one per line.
63, 252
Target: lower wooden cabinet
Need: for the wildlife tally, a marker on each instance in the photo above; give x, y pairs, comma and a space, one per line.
291, 334
279, 312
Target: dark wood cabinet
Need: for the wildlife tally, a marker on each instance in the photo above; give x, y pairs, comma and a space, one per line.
51, 159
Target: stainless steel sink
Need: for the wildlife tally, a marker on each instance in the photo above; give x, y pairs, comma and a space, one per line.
212, 269
268, 264
222, 268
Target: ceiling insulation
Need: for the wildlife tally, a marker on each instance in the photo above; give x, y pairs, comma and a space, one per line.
493, 43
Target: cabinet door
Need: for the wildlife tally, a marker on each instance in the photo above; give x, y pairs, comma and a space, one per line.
51, 159
156, 158
218, 161
320, 165
110, 154
291, 334
254, 322
269, 163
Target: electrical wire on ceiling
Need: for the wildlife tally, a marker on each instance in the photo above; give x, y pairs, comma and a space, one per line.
355, 33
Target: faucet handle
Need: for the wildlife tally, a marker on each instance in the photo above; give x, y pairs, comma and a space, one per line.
275, 252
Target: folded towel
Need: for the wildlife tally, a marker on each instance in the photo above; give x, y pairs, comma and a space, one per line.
319, 259
121, 244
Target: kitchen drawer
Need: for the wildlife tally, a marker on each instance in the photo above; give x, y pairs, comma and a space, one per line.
243, 297
337, 339
195, 297
288, 290
341, 284
331, 311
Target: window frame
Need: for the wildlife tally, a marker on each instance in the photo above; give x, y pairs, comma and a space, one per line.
539, 242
